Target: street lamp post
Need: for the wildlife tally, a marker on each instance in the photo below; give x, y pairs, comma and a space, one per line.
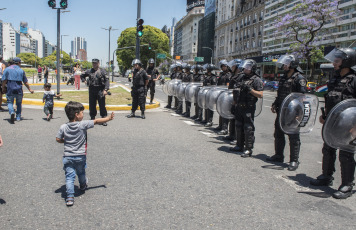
212, 53
61, 49
109, 29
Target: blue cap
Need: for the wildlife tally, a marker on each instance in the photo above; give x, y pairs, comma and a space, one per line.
17, 60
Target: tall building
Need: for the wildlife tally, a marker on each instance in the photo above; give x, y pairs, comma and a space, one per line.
186, 32
77, 44
49, 48
38, 35
82, 55
238, 29
11, 41
1, 44
171, 37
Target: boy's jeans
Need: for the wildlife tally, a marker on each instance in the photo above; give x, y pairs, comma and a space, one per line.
48, 110
10, 104
74, 166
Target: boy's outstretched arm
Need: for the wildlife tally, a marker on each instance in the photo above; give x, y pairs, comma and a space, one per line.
59, 140
58, 95
105, 119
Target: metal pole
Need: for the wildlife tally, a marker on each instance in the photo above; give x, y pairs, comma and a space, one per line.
112, 69
58, 38
137, 38
109, 46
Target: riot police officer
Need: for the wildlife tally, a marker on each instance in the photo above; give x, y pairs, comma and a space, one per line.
153, 76
170, 98
341, 86
248, 89
99, 84
197, 77
292, 81
178, 75
187, 77
139, 88
210, 79
235, 74
223, 79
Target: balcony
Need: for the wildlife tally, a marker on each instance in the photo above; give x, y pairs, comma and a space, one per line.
261, 18
248, 36
253, 35
237, 28
254, 21
259, 33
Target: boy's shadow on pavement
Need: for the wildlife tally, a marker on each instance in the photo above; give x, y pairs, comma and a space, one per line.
2, 201
77, 191
22, 119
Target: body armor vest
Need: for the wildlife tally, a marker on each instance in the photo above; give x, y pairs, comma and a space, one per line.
97, 78
178, 75
209, 80
197, 78
339, 89
287, 86
173, 75
152, 72
187, 77
246, 99
138, 79
224, 78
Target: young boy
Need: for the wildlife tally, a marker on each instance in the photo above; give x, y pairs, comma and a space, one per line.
48, 100
74, 136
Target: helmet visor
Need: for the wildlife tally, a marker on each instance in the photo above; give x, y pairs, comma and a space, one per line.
284, 60
336, 56
246, 65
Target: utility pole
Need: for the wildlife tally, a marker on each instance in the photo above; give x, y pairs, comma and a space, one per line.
137, 37
58, 45
109, 29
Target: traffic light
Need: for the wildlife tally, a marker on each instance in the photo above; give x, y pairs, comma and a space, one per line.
63, 4
52, 3
149, 46
140, 27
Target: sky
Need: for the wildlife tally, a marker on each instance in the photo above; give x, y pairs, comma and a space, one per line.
87, 17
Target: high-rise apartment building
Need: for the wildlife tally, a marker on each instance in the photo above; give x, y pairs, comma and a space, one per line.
11, 41
77, 44
41, 41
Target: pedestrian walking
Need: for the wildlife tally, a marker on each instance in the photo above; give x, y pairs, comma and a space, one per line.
77, 73
153, 76
48, 100
99, 85
39, 73
13, 78
139, 89
2, 69
74, 136
45, 74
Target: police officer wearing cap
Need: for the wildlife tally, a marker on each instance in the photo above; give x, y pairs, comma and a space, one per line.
178, 75
248, 89
197, 77
210, 79
341, 86
292, 81
223, 80
153, 76
170, 98
99, 84
187, 77
139, 88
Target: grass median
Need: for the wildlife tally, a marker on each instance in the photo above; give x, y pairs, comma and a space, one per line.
119, 96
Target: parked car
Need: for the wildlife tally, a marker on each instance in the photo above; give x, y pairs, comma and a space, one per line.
311, 87
271, 85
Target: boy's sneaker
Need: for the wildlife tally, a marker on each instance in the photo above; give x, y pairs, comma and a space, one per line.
48, 117
83, 187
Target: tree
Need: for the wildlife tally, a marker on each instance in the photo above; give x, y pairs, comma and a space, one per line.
30, 59
86, 65
159, 43
304, 25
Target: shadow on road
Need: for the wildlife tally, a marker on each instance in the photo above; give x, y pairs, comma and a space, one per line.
272, 165
77, 191
2, 201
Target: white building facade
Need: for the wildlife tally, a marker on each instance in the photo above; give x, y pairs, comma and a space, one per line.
11, 41
77, 44
38, 35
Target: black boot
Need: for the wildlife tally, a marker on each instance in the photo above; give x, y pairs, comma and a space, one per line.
275, 158
209, 124
294, 152
223, 132
247, 153
194, 117
343, 192
322, 180
143, 115
131, 115
236, 149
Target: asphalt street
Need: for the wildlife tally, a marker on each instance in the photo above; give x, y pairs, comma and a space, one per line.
164, 172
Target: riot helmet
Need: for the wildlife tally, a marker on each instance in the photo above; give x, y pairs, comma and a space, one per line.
249, 64
151, 61
290, 60
210, 67
222, 63
346, 55
136, 61
186, 66
197, 68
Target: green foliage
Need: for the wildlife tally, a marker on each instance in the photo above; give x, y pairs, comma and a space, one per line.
30, 71
86, 65
30, 59
159, 43
49, 61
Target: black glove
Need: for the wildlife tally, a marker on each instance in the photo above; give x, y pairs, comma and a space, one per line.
246, 88
233, 109
145, 90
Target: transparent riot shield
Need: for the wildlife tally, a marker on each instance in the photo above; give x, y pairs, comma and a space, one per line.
171, 86
212, 96
298, 113
259, 105
339, 130
181, 91
224, 104
190, 91
165, 87
201, 96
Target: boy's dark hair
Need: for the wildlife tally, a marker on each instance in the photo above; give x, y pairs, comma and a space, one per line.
47, 85
72, 108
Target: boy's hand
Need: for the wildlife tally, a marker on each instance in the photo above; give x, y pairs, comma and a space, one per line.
1, 142
111, 117
59, 140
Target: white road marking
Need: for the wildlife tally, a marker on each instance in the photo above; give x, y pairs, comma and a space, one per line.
175, 115
293, 184
190, 123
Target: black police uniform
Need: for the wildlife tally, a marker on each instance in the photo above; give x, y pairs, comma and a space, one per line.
223, 79
178, 104
197, 77
339, 89
98, 81
287, 85
245, 110
151, 83
170, 98
187, 77
138, 91
209, 80
232, 85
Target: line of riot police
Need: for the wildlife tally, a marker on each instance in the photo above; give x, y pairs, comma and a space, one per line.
236, 94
